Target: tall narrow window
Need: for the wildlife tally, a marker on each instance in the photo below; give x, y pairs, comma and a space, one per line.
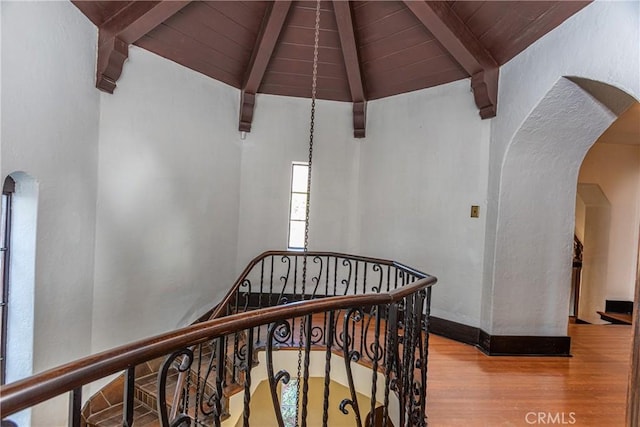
5, 238
298, 207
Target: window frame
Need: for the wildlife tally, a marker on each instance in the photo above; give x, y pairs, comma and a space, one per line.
8, 189
291, 194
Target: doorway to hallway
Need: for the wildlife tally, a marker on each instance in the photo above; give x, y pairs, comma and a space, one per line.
607, 220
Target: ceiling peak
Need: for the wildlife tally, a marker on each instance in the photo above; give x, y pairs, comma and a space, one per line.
368, 49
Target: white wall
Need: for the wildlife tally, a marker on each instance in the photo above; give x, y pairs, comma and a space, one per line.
50, 131
167, 215
280, 136
590, 45
530, 290
404, 192
423, 164
593, 205
616, 169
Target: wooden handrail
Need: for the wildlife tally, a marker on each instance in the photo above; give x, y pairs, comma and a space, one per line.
46, 385
229, 296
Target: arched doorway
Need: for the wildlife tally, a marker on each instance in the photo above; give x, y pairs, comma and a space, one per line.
608, 220
528, 294
536, 207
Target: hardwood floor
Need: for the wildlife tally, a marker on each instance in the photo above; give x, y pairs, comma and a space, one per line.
468, 388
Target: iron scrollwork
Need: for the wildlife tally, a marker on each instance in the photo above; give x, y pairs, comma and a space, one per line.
316, 279
184, 365
353, 315
346, 282
284, 279
378, 269
278, 332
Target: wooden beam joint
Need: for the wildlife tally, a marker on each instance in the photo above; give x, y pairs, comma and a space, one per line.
484, 84
346, 32
272, 24
454, 35
125, 27
247, 104
359, 119
111, 56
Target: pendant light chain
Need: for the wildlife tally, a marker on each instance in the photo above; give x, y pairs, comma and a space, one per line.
314, 81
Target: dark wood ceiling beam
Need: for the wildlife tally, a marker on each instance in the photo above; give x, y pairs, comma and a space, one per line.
275, 16
344, 20
125, 27
465, 48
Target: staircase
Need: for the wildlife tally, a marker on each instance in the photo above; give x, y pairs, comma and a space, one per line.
96, 412
105, 408
357, 314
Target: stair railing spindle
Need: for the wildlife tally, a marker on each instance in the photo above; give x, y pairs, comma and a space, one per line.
129, 384
75, 407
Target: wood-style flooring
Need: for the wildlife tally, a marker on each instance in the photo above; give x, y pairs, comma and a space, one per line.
468, 388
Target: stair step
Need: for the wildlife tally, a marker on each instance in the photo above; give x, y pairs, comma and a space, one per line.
143, 416
146, 389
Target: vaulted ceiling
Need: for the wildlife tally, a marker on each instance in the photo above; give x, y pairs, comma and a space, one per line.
368, 49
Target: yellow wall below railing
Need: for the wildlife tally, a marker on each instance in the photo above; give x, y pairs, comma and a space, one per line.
262, 407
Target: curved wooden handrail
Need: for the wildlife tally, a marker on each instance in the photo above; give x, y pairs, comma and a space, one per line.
229, 296
46, 385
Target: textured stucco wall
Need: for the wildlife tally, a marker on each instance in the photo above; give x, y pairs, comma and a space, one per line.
423, 164
167, 215
50, 112
280, 136
404, 192
528, 242
530, 294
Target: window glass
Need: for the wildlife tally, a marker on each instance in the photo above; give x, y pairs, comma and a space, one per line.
299, 180
298, 205
4, 290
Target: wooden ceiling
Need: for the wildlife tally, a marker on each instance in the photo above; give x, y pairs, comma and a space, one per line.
368, 49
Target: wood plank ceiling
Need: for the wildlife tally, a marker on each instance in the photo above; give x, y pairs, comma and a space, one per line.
368, 49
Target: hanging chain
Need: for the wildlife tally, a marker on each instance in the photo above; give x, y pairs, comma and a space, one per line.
314, 80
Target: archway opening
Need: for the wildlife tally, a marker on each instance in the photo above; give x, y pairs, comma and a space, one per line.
536, 208
608, 222
529, 292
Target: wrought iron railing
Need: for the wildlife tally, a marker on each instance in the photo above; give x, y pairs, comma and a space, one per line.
276, 278
370, 312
